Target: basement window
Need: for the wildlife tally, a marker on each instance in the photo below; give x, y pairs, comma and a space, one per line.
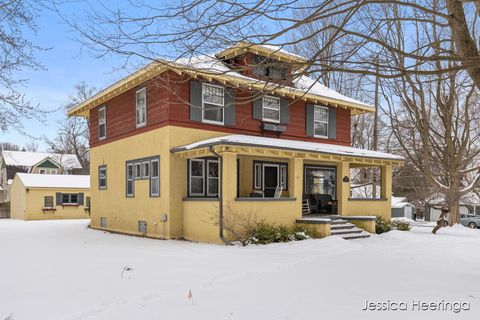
103, 222
142, 227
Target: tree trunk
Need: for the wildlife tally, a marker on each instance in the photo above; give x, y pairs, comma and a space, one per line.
440, 222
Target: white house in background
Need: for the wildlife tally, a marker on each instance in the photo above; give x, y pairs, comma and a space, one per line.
12, 162
402, 208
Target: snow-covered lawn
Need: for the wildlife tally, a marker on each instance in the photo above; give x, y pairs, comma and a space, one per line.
63, 270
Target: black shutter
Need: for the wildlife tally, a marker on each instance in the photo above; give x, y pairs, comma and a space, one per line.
257, 106
80, 199
310, 109
230, 107
195, 101
284, 111
58, 197
332, 123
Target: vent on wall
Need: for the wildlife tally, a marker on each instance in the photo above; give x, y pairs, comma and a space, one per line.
142, 227
103, 222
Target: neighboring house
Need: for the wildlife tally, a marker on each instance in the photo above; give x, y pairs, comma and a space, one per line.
402, 208
12, 162
36, 197
183, 149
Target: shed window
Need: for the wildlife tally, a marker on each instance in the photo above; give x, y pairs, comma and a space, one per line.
102, 177
48, 201
102, 123
141, 106
271, 109
69, 198
321, 121
213, 103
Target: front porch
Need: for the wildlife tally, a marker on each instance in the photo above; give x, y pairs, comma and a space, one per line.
273, 184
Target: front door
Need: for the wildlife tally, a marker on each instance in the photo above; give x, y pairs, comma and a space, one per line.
270, 179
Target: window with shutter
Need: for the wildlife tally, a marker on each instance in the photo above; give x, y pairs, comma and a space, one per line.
213, 104
271, 109
320, 121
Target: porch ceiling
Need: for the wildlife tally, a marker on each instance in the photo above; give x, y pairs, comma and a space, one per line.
282, 148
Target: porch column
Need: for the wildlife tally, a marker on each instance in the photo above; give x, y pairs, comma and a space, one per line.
229, 177
343, 188
295, 178
386, 181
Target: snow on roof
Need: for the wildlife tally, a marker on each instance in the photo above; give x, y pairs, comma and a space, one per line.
400, 202
303, 84
29, 159
273, 48
32, 180
239, 139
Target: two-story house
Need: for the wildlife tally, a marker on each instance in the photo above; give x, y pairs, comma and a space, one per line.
190, 148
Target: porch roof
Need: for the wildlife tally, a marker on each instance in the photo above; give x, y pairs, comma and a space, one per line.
288, 145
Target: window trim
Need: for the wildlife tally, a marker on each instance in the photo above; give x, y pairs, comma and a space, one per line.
137, 164
264, 107
144, 123
100, 168
215, 104
104, 109
45, 202
320, 121
69, 199
145, 176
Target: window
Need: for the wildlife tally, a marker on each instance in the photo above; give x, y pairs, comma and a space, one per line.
48, 202
257, 176
141, 106
145, 169
142, 226
155, 178
138, 170
366, 182
103, 222
102, 177
212, 178
130, 180
53, 171
269, 68
213, 102
69, 198
271, 109
102, 123
320, 118
43, 171
197, 177
320, 180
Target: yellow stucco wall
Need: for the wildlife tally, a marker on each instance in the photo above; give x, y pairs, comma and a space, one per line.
28, 205
192, 219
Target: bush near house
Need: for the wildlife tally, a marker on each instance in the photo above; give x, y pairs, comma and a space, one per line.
382, 226
265, 233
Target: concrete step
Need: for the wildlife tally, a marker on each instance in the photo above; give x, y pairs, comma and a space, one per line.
362, 235
339, 221
348, 231
342, 226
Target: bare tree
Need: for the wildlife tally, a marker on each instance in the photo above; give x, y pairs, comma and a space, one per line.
31, 146
10, 146
16, 54
73, 134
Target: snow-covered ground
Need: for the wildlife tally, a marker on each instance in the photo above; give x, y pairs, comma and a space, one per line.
63, 270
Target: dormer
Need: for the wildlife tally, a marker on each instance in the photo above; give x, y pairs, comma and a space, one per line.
264, 62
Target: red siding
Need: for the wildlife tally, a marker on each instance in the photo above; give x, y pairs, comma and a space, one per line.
167, 104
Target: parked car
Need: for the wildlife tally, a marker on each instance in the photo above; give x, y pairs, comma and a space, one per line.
470, 220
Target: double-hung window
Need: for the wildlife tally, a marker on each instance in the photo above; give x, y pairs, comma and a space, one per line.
48, 202
130, 180
102, 123
102, 177
69, 198
204, 175
320, 118
271, 109
155, 178
213, 104
141, 106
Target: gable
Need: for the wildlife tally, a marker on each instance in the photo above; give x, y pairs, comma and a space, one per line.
47, 164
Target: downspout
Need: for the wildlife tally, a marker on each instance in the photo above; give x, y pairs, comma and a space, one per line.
220, 196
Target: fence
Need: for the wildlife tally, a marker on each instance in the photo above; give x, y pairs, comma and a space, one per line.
5, 210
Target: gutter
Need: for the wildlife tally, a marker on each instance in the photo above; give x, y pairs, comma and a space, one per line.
220, 197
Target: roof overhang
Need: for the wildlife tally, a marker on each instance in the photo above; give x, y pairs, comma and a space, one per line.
269, 52
204, 148
156, 68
